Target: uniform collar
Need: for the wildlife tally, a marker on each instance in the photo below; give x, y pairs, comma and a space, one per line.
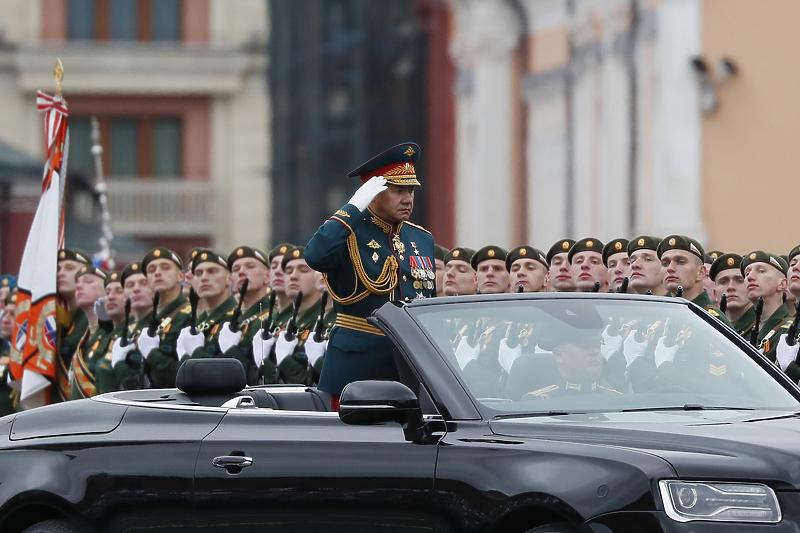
387, 227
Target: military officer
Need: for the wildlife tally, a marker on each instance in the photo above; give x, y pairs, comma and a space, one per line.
765, 277
491, 276
559, 277
277, 283
72, 322
8, 396
246, 263
728, 280
586, 265
527, 267
459, 275
164, 271
297, 352
212, 281
89, 287
114, 304
646, 277
618, 263
440, 252
126, 361
682, 266
370, 254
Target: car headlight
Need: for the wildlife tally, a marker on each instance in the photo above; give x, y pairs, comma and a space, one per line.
685, 501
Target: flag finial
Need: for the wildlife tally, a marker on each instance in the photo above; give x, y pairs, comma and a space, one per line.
59, 75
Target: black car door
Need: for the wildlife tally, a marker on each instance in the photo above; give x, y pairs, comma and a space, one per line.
309, 471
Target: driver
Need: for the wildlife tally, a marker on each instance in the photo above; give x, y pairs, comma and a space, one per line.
577, 357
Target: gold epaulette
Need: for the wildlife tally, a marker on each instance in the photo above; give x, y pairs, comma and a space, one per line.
544, 391
417, 226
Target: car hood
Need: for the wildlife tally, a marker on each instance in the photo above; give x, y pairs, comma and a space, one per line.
735, 445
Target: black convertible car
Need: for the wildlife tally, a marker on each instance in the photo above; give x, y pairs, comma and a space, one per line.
514, 413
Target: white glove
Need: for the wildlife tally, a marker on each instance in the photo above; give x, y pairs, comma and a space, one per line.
508, 355
367, 192
610, 343
466, 353
228, 339
119, 352
314, 349
633, 349
100, 310
786, 354
188, 343
664, 354
146, 343
284, 347
261, 347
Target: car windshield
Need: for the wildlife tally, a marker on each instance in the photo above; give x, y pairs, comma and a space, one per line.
576, 355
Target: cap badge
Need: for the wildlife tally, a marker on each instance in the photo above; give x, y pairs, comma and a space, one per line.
134, 266
753, 256
62, 254
204, 256
490, 253
565, 245
731, 261
589, 244
282, 249
672, 241
523, 251
157, 253
194, 253
640, 242
296, 253
618, 245
240, 252
456, 253
410, 152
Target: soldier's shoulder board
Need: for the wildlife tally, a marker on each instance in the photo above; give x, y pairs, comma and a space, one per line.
186, 309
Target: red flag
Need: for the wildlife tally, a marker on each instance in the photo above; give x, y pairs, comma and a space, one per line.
35, 357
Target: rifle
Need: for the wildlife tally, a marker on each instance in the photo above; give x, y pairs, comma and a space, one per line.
153, 327
596, 287
679, 292
193, 299
291, 326
723, 303
238, 311
520, 288
754, 331
125, 341
319, 327
791, 335
624, 287
265, 330
648, 292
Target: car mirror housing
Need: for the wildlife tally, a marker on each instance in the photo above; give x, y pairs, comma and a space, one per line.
377, 402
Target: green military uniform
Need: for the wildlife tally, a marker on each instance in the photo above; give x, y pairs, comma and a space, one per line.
7, 394
209, 325
162, 363
704, 301
250, 322
368, 261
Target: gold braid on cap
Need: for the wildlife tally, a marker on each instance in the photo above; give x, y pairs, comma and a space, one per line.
386, 282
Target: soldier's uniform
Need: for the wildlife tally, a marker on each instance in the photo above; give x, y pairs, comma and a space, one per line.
250, 321
368, 261
281, 315
162, 363
211, 320
781, 319
9, 398
71, 328
688, 244
731, 261
90, 350
128, 374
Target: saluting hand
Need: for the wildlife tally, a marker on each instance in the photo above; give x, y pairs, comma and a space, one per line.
367, 192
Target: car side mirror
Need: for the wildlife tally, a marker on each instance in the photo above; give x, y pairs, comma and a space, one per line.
377, 402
